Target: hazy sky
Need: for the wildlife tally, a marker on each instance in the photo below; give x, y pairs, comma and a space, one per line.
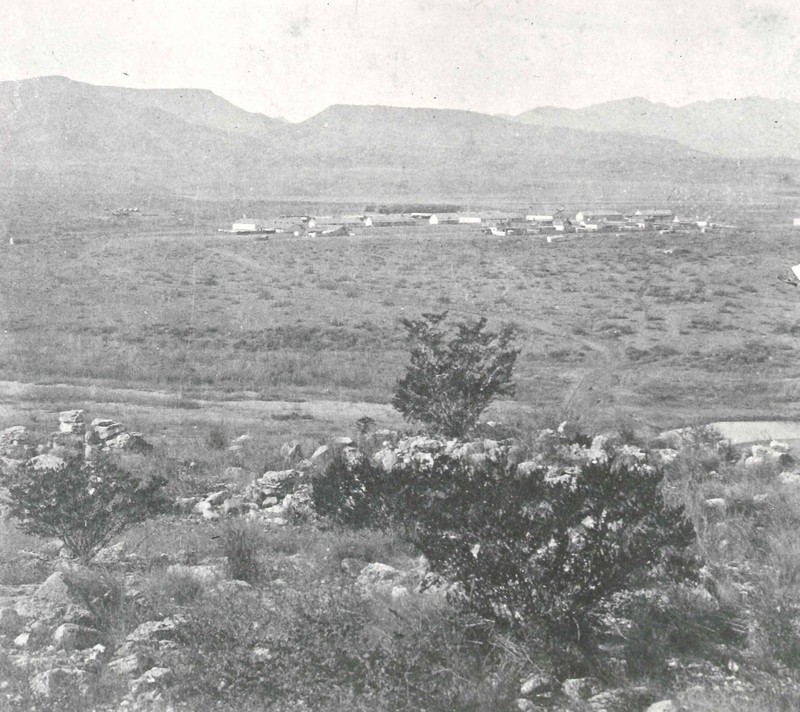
293, 58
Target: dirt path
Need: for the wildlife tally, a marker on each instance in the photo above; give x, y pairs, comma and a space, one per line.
16, 396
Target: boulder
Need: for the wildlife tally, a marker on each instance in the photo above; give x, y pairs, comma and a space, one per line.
791, 479
291, 451
580, 688
71, 421
11, 622
152, 631
663, 706
70, 636
129, 665
59, 681
536, 684
379, 578
352, 567
55, 589
132, 442
234, 505
215, 499
104, 429
47, 462
275, 483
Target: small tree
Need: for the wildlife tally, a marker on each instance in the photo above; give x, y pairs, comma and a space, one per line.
85, 504
455, 372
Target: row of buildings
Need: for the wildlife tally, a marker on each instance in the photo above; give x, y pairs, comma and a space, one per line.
490, 222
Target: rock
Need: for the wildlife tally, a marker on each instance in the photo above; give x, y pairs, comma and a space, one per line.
607, 701
667, 455
22, 640
524, 705
106, 429
215, 499
129, 665
291, 451
379, 578
663, 706
352, 567
386, 459
47, 462
185, 505
15, 443
778, 446
153, 678
536, 684
341, 442
579, 688
241, 439
11, 622
132, 442
110, 555
55, 589
59, 681
234, 505
260, 656
715, 508
234, 473
71, 421
70, 636
154, 630
275, 483
322, 453
791, 479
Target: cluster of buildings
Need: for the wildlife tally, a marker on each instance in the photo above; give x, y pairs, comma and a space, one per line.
490, 222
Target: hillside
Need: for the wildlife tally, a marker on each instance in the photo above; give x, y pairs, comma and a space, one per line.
72, 138
749, 127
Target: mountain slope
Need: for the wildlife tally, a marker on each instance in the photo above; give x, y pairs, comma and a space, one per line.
750, 127
60, 135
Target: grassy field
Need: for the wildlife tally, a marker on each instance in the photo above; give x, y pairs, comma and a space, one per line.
658, 329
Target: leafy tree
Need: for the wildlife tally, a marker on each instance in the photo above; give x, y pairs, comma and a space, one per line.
85, 504
455, 372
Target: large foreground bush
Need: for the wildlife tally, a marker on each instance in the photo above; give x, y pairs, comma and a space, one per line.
85, 504
537, 543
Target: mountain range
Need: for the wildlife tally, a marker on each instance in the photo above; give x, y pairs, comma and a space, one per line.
59, 135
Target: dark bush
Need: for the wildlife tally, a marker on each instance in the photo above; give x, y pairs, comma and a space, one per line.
85, 504
456, 371
547, 546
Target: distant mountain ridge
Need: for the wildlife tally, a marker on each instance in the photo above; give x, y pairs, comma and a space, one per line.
737, 128
65, 136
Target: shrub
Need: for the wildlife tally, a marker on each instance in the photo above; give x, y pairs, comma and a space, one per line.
85, 504
240, 543
455, 372
545, 546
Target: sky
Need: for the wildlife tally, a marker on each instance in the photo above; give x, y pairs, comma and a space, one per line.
293, 58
